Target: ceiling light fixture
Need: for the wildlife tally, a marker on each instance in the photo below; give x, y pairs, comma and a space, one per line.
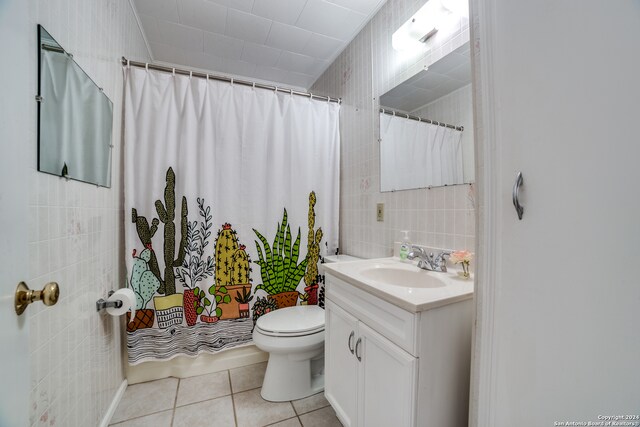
424, 24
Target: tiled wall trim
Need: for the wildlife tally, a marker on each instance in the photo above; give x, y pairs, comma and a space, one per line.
440, 217
75, 229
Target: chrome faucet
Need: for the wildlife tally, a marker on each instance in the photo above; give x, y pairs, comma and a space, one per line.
429, 261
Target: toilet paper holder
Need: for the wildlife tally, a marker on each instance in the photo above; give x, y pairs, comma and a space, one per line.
101, 304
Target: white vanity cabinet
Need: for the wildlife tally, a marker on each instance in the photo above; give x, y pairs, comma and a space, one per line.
368, 380
386, 366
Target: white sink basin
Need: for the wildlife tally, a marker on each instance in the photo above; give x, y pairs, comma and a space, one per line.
401, 283
410, 278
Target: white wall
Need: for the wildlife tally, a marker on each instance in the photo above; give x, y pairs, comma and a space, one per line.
75, 229
441, 217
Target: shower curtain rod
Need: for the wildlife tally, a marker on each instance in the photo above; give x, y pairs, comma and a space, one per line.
419, 119
310, 95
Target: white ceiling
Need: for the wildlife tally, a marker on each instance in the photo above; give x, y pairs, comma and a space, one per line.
451, 72
290, 42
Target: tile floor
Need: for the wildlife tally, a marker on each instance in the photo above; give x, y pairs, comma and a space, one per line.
222, 399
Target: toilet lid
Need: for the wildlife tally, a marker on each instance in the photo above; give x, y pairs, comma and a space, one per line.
298, 320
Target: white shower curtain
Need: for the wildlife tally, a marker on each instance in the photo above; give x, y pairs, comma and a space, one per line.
240, 156
417, 154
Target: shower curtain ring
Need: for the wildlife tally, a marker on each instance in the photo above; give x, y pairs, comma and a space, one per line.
190, 74
173, 71
231, 81
146, 66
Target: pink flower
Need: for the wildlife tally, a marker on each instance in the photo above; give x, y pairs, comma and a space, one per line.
461, 256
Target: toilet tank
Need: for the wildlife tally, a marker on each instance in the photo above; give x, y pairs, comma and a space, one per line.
340, 258
330, 259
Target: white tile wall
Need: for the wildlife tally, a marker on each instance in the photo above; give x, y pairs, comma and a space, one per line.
75, 230
368, 67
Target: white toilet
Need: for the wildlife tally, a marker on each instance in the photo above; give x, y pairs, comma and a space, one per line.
294, 339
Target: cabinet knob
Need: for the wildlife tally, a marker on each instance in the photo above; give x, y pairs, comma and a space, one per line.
351, 335
357, 347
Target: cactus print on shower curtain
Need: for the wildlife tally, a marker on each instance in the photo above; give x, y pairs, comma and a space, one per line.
187, 319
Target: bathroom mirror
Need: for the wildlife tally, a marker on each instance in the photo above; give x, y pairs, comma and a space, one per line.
426, 127
75, 118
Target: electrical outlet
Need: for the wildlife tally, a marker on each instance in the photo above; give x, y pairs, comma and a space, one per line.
380, 211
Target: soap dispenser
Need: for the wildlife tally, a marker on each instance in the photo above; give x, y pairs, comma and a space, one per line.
405, 246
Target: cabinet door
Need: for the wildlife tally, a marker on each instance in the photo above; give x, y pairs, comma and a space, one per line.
341, 366
387, 383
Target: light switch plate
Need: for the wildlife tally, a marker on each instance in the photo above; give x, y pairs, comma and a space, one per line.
380, 212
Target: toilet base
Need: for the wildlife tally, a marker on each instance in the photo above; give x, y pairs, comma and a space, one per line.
289, 379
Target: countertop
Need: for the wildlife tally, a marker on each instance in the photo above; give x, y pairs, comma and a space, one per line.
412, 299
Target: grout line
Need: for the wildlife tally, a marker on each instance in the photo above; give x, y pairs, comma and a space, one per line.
204, 400
175, 401
249, 389
313, 410
140, 416
233, 401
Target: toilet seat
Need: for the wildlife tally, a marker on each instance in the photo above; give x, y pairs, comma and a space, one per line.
294, 321
289, 334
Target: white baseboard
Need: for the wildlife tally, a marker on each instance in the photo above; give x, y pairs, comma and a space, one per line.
114, 404
183, 367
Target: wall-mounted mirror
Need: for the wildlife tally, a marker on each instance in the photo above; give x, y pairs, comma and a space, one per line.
75, 118
426, 127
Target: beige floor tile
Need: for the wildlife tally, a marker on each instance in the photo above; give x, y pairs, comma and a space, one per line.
325, 417
291, 422
203, 387
146, 398
247, 377
217, 412
253, 411
160, 419
310, 403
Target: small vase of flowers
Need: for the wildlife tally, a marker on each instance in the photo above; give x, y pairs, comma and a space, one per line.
463, 258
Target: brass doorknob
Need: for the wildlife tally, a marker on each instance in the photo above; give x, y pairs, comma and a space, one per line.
25, 296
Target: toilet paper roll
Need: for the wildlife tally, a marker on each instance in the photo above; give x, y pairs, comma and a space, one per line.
128, 299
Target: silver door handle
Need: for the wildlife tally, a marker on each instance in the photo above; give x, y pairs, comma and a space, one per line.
516, 195
351, 335
357, 347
